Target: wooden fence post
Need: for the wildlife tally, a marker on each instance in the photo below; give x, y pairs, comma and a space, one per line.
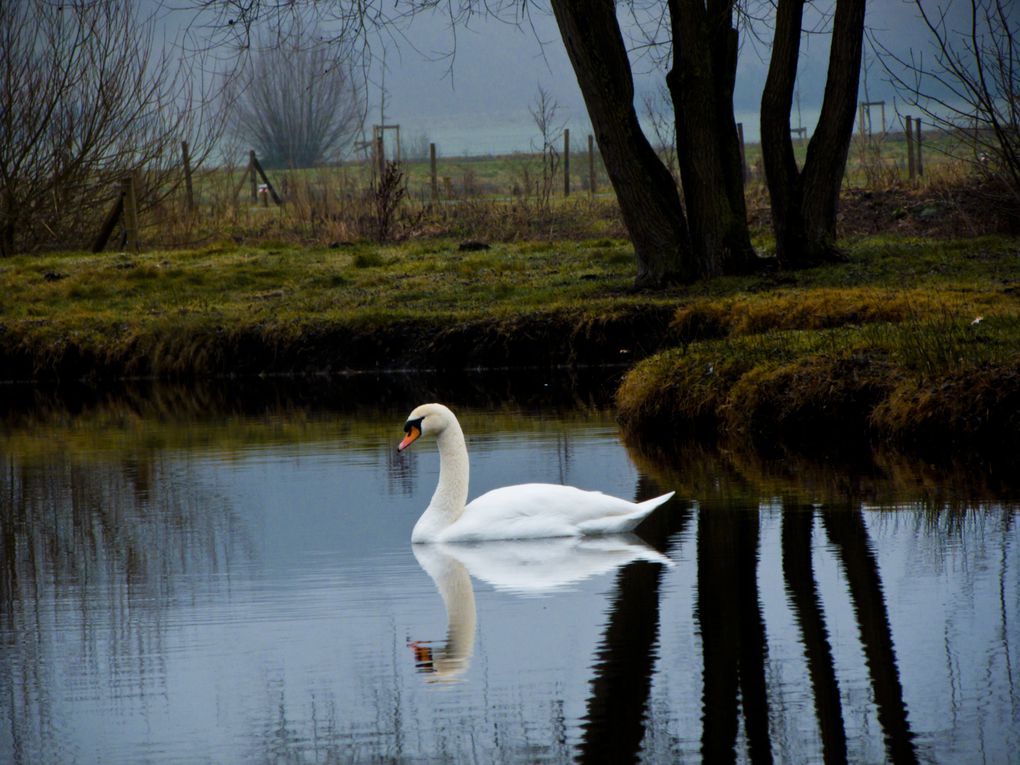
256, 167
116, 211
566, 162
917, 147
254, 182
189, 193
909, 135
432, 170
244, 176
591, 164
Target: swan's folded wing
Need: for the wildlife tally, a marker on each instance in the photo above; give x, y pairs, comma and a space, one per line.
547, 510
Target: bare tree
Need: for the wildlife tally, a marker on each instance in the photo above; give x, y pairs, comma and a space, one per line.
804, 202
545, 113
87, 94
701, 83
302, 105
649, 199
969, 87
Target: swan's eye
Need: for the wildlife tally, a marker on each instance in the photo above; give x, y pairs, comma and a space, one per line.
416, 424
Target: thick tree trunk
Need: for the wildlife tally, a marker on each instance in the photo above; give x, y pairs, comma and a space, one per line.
781, 173
804, 204
648, 198
701, 85
827, 152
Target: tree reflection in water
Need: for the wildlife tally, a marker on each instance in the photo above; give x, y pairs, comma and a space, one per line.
614, 723
735, 693
847, 532
141, 532
799, 576
734, 645
732, 633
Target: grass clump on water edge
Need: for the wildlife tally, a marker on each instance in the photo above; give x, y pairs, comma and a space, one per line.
908, 340
931, 382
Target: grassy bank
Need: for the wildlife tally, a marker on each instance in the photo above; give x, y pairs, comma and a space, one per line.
279, 309
910, 340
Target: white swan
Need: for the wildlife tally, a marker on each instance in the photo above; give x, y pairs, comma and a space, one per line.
525, 511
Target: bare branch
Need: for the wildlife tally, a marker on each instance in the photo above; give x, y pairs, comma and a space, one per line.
970, 86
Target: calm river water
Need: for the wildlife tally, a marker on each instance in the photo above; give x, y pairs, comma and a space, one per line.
227, 577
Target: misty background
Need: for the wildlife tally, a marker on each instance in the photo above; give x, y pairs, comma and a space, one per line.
469, 86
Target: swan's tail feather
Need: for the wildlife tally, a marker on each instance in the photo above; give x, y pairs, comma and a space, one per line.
650, 504
616, 524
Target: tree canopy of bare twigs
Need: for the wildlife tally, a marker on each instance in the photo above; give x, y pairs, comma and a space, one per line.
302, 105
969, 84
87, 94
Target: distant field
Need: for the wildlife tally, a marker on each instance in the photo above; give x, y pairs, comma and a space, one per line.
880, 160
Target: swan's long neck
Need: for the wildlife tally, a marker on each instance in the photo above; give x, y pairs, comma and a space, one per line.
452, 491
450, 497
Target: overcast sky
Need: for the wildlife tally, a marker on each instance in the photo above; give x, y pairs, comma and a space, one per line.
478, 100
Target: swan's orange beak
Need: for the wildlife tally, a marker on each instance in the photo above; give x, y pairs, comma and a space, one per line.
413, 431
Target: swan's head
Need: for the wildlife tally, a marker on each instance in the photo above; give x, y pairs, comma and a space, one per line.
430, 419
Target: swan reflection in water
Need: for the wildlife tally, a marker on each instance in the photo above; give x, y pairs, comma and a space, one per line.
527, 567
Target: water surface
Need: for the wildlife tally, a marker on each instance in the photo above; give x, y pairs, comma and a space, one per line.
187, 582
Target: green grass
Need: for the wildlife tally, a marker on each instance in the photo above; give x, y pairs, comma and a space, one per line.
884, 280
401, 280
168, 312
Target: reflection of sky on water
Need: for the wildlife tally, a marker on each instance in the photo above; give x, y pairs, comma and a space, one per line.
321, 498
259, 605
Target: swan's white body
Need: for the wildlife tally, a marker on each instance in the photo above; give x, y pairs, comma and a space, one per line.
525, 511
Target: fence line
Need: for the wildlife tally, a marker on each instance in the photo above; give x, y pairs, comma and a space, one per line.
124, 209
